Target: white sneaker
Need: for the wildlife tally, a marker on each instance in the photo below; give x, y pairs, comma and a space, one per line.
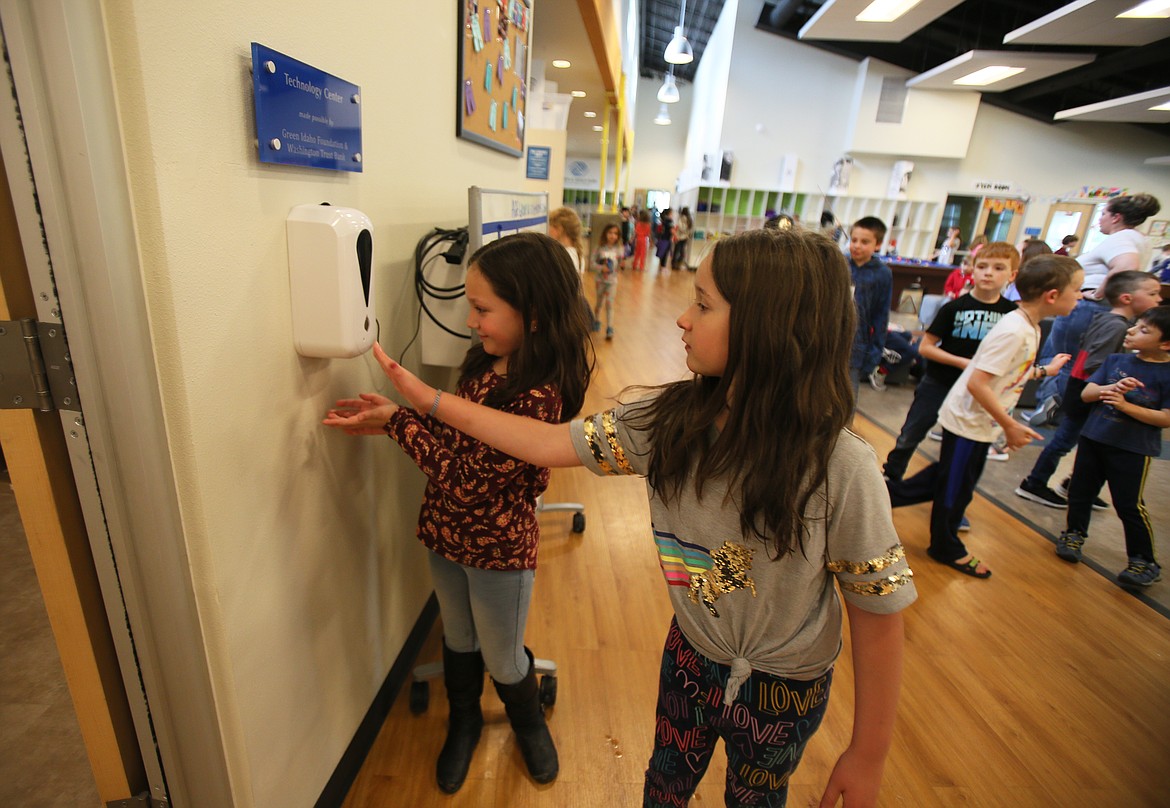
877, 381
935, 434
997, 454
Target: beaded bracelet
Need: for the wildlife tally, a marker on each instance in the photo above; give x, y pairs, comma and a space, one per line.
435, 403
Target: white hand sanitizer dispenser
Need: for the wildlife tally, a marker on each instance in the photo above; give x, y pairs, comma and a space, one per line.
330, 265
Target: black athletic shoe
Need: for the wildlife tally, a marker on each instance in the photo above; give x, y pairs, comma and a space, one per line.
1098, 503
1041, 494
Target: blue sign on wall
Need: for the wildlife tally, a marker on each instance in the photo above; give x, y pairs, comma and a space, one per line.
304, 116
538, 159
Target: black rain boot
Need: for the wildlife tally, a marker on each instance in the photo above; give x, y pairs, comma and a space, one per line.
463, 676
522, 704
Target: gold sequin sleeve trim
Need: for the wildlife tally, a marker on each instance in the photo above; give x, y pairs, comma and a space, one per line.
595, 446
884, 586
610, 425
885, 560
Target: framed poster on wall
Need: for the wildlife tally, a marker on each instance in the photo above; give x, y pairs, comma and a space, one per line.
493, 48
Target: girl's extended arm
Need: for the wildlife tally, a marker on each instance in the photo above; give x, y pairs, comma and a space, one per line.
876, 641
536, 442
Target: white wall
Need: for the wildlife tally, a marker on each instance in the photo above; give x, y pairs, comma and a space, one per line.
788, 97
658, 150
917, 133
710, 91
304, 562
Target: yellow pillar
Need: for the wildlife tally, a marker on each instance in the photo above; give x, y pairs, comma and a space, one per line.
621, 138
604, 155
630, 168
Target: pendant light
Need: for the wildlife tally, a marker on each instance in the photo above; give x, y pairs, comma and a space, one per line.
668, 92
679, 51
663, 116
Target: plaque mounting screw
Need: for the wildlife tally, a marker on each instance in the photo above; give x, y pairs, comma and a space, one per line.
275, 144
357, 157
355, 98
270, 66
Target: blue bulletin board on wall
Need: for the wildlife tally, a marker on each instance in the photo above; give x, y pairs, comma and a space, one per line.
538, 160
305, 116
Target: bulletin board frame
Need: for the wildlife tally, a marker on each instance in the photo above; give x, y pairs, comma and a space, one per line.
494, 55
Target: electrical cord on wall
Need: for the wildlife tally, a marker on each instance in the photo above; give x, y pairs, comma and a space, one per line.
425, 252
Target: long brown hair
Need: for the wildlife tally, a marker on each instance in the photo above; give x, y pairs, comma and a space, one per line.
786, 385
532, 273
570, 224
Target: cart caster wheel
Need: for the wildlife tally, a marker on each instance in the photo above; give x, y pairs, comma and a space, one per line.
548, 690
578, 523
420, 694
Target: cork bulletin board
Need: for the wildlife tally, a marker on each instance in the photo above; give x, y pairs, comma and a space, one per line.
494, 52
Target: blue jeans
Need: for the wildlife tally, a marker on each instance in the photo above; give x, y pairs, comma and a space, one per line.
1061, 443
1065, 337
485, 610
855, 380
1066, 333
928, 398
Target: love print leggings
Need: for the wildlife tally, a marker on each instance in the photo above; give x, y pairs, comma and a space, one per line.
764, 730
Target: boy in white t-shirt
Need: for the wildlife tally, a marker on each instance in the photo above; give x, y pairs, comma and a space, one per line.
980, 404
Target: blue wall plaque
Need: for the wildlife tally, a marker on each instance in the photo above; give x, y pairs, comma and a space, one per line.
538, 159
304, 116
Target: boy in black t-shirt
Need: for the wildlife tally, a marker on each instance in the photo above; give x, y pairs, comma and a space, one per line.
948, 345
1131, 397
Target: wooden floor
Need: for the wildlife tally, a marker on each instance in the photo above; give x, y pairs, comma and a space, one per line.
1043, 686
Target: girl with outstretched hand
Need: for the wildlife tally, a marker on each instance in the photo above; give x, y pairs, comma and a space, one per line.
478, 516
762, 504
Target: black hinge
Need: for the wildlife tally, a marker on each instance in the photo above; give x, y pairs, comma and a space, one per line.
35, 368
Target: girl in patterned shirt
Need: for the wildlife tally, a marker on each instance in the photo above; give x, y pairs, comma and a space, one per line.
762, 505
478, 517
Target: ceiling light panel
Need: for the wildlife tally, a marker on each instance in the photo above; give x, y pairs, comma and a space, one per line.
1137, 108
1149, 10
1016, 68
838, 19
1090, 22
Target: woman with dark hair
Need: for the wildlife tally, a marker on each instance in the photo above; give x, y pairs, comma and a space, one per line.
1123, 247
1067, 243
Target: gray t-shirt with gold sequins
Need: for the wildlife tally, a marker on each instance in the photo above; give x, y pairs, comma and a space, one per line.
734, 603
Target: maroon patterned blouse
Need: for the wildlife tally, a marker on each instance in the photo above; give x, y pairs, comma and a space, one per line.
479, 507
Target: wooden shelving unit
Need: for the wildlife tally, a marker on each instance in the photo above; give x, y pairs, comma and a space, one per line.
721, 211
912, 225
